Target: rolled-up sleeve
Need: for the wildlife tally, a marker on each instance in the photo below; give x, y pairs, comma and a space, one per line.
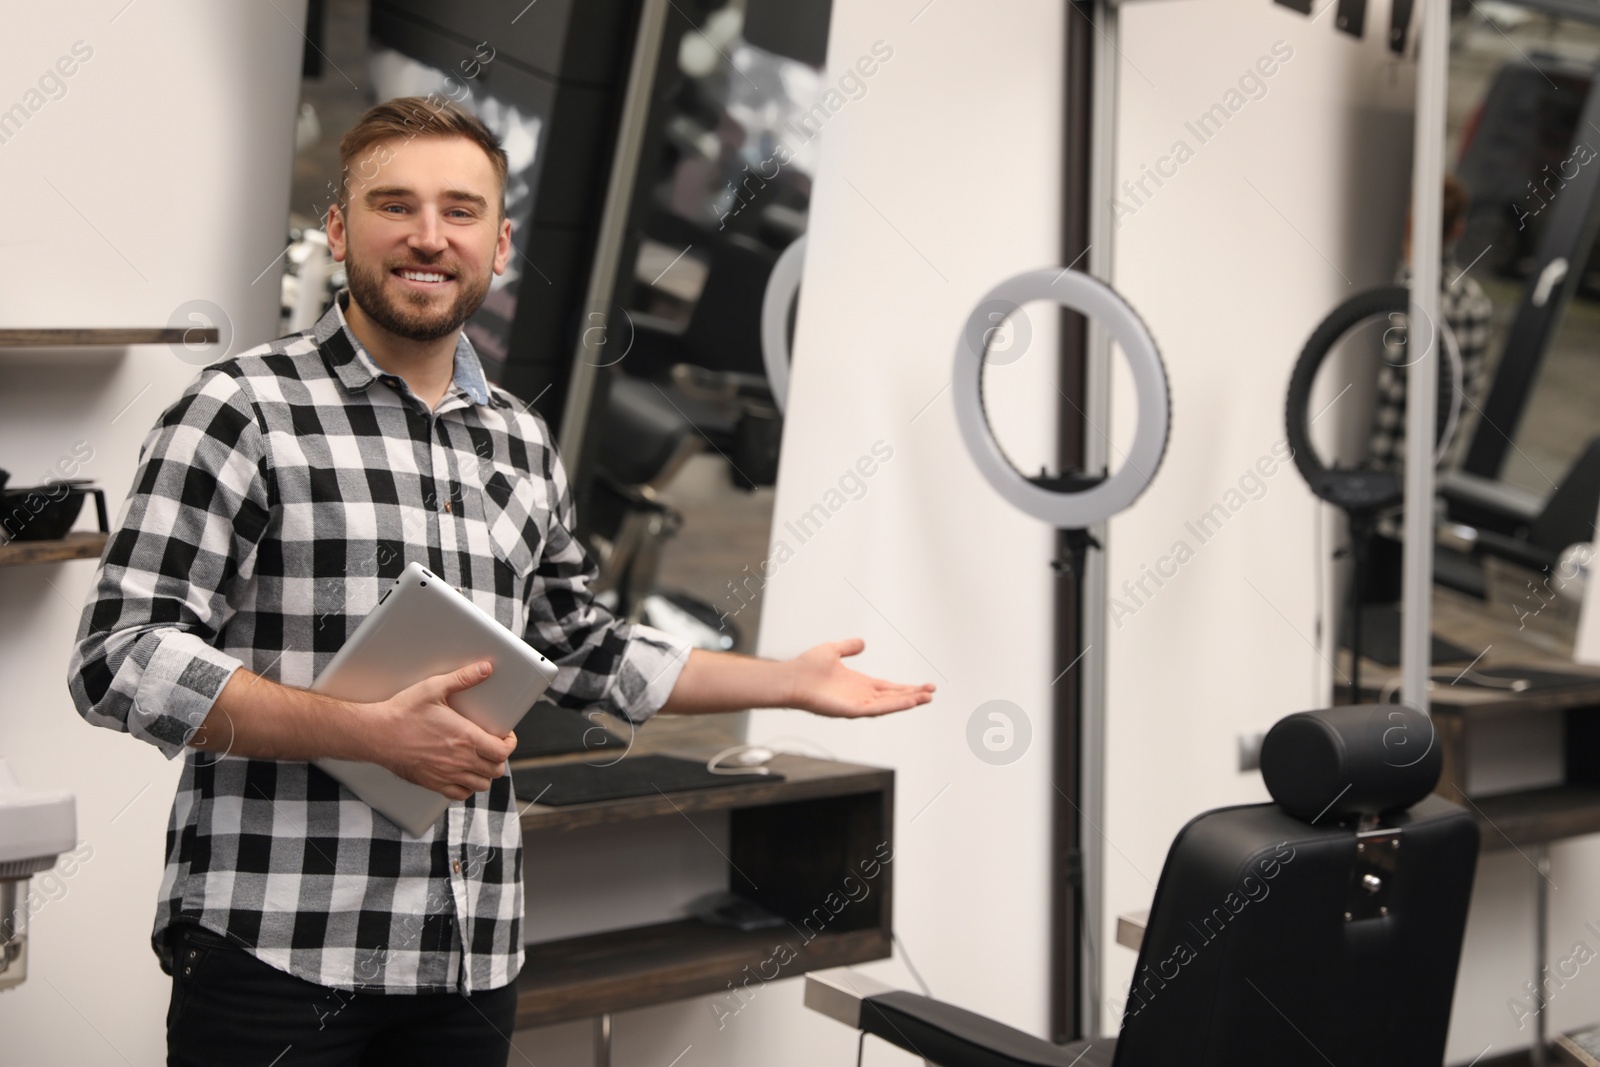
626, 669
144, 660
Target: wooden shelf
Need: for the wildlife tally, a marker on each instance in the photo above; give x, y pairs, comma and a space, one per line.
1474, 703
72, 337
1537, 815
622, 969
803, 779
83, 545
799, 848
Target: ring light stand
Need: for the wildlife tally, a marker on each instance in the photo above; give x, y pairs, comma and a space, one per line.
1362, 493
1073, 502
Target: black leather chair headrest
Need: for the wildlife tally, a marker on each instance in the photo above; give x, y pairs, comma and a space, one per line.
1363, 759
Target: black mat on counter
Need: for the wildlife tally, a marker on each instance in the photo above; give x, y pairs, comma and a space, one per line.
551, 731
580, 783
1536, 679
1380, 638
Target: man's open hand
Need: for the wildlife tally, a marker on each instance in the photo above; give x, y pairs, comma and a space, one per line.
824, 685
420, 737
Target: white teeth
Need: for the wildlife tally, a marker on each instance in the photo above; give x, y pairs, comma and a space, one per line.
421, 276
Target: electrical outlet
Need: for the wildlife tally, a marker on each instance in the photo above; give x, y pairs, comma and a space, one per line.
1250, 751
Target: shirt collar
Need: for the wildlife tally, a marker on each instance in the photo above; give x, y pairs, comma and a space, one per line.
354, 366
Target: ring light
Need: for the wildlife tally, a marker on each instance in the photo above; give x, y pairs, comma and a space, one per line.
1358, 491
1065, 509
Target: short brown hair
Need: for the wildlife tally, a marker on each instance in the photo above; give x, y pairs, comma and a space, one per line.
407, 117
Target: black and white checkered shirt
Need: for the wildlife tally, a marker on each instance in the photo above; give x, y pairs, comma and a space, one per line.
272, 505
1469, 314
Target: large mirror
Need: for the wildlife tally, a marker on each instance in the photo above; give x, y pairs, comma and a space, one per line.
1518, 430
1521, 486
685, 455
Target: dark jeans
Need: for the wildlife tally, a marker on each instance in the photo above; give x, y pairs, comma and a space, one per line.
230, 1008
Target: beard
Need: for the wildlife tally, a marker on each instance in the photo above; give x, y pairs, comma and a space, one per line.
413, 315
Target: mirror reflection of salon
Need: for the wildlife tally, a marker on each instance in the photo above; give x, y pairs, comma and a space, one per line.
1367, 369
683, 494
1521, 487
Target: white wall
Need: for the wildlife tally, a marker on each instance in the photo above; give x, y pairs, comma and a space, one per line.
942, 182
169, 157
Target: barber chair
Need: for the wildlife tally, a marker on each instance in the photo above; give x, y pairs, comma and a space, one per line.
1324, 928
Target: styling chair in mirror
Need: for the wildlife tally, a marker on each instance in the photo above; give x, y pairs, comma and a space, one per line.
678, 391
1322, 928
1489, 517
643, 449
710, 370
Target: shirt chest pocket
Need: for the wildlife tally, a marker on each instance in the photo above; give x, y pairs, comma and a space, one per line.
511, 512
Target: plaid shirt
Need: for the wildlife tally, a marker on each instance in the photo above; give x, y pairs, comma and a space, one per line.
273, 504
1469, 314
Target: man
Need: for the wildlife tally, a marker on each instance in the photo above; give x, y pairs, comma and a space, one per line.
1468, 313
273, 503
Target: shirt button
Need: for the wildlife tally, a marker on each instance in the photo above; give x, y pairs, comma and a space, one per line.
456, 866
447, 505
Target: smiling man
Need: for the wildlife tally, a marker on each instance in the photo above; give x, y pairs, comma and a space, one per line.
273, 504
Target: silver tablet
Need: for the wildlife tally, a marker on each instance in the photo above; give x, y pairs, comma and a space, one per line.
420, 628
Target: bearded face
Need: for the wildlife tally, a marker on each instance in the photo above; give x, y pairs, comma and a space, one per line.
413, 297
422, 236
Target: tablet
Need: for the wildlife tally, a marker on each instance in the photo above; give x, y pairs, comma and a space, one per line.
420, 628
